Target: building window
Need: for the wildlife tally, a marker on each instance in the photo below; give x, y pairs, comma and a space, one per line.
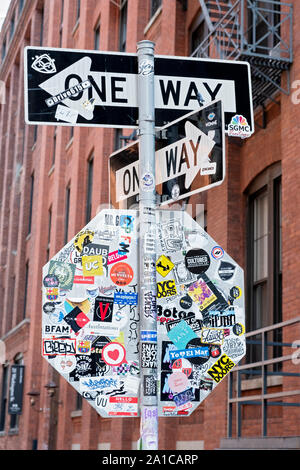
198, 33
123, 27
61, 23
77, 10
3, 54
31, 203
78, 403
54, 147
89, 192
264, 256
67, 214
49, 233
3, 397
25, 289
12, 27
21, 6
42, 27
154, 6
97, 37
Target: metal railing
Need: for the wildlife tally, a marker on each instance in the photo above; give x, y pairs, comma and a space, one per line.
249, 28
281, 362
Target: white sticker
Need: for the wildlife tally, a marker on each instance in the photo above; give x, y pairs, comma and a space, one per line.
66, 114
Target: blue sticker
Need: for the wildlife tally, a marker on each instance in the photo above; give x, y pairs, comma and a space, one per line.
149, 336
181, 334
202, 351
126, 298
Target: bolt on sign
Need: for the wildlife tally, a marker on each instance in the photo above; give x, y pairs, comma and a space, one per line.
200, 314
94, 88
90, 313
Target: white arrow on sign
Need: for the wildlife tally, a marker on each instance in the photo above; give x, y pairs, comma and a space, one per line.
186, 157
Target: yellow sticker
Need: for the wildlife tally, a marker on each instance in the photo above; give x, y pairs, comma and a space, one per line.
92, 265
220, 368
164, 265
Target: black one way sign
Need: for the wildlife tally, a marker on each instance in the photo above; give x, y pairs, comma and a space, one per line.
92, 88
189, 158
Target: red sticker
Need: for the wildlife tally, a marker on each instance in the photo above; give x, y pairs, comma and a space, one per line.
113, 354
121, 274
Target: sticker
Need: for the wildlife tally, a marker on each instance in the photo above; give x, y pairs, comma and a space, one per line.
217, 252
182, 365
123, 406
56, 330
164, 265
126, 298
121, 274
50, 280
114, 257
166, 288
201, 351
181, 274
149, 356
82, 239
84, 280
150, 386
148, 336
238, 329
102, 328
65, 364
59, 346
181, 334
197, 261
175, 192
124, 245
49, 307
64, 272
226, 270
66, 114
209, 169
212, 335
220, 368
239, 127
69, 93
44, 64
114, 354
147, 182
178, 382
92, 265
103, 309
83, 305
235, 292
184, 397
204, 293
52, 293
83, 346
76, 319
186, 302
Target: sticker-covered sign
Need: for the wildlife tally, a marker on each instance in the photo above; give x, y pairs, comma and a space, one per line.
200, 314
90, 313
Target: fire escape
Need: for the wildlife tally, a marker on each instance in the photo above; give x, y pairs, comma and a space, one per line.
259, 32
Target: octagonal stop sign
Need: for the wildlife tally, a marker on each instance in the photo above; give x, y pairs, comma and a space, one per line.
200, 313
91, 321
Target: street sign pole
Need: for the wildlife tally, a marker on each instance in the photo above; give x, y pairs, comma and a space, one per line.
147, 248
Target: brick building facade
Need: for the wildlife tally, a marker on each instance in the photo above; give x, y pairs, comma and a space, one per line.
54, 179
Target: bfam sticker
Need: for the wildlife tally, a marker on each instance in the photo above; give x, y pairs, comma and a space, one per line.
239, 127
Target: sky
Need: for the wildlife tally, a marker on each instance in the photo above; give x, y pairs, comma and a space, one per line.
4, 4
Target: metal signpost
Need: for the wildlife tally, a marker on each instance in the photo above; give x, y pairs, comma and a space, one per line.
143, 312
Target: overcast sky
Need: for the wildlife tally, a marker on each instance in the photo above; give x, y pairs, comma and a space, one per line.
4, 4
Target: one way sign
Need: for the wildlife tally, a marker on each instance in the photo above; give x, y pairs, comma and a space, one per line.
189, 158
94, 88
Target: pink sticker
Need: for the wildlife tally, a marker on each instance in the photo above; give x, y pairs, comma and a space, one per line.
178, 382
